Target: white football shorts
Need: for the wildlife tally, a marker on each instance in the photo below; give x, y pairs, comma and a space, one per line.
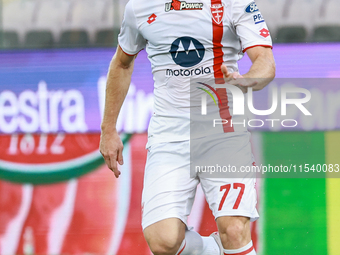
169, 190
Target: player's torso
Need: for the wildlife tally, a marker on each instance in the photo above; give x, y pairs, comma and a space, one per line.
186, 41
183, 36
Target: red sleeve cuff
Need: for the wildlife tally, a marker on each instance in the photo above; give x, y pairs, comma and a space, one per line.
267, 46
128, 53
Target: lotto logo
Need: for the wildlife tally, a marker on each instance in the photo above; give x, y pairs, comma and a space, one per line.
152, 18
264, 32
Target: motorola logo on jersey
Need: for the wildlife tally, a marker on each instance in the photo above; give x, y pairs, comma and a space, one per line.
187, 72
187, 51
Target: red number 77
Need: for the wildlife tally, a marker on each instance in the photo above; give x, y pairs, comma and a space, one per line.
227, 188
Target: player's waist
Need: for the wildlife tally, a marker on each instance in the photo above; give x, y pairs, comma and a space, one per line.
186, 124
174, 129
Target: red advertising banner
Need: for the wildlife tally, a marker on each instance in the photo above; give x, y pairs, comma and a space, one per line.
92, 214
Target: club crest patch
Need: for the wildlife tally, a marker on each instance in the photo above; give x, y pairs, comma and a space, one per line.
217, 12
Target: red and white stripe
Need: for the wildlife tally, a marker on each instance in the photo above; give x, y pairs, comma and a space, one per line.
217, 35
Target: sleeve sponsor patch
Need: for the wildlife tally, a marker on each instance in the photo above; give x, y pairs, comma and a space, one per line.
258, 18
251, 8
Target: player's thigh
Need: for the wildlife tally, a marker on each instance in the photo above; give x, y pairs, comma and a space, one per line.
231, 197
165, 235
168, 190
222, 156
230, 193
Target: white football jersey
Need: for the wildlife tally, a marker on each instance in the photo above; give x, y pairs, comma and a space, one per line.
188, 40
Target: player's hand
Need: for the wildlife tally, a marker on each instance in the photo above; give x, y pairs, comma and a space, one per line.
237, 79
111, 147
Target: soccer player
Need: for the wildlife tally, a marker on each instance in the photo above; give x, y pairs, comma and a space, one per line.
187, 40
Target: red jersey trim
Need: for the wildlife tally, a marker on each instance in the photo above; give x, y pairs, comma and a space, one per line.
182, 249
261, 45
128, 53
217, 36
242, 253
217, 46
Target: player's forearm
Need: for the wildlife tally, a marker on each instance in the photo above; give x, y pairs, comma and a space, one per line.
118, 82
262, 70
